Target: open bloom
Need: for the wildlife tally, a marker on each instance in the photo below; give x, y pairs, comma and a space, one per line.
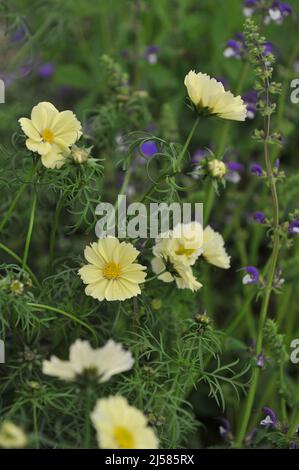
209, 95
11, 436
252, 275
112, 273
104, 362
51, 133
213, 248
121, 426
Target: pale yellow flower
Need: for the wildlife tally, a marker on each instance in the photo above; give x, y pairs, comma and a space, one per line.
12, 436
208, 94
104, 362
213, 248
121, 426
172, 267
217, 168
51, 133
112, 273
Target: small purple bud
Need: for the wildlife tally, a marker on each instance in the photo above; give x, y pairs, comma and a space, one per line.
149, 148
19, 34
256, 169
270, 419
259, 217
46, 70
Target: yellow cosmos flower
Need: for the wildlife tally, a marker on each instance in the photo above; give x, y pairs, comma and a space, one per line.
213, 248
121, 426
208, 94
51, 133
104, 362
11, 436
112, 273
183, 243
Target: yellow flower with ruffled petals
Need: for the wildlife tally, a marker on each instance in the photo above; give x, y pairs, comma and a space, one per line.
51, 133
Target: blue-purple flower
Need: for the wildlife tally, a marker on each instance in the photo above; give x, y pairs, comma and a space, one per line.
234, 170
251, 276
270, 420
259, 217
250, 98
277, 12
151, 54
235, 47
224, 428
294, 227
19, 34
256, 169
149, 148
46, 70
260, 360
198, 156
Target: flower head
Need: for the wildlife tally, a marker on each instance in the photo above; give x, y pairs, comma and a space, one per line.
149, 148
121, 426
11, 436
251, 276
51, 133
217, 168
256, 169
46, 70
259, 217
294, 227
213, 249
104, 362
209, 96
112, 273
270, 419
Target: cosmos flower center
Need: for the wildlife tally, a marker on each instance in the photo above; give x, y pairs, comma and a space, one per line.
112, 270
184, 251
123, 438
47, 135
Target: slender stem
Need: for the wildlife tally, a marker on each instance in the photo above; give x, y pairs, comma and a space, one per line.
272, 269
54, 228
17, 258
35, 425
66, 314
12, 207
87, 427
30, 229
186, 145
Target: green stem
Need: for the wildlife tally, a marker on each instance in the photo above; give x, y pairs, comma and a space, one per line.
54, 228
30, 229
87, 427
186, 145
35, 426
12, 207
66, 314
17, 258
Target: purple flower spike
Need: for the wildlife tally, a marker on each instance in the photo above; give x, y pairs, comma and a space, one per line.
46, 70
259, 217
270, 419
256, 169
149, 148
251, 276
294, 227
